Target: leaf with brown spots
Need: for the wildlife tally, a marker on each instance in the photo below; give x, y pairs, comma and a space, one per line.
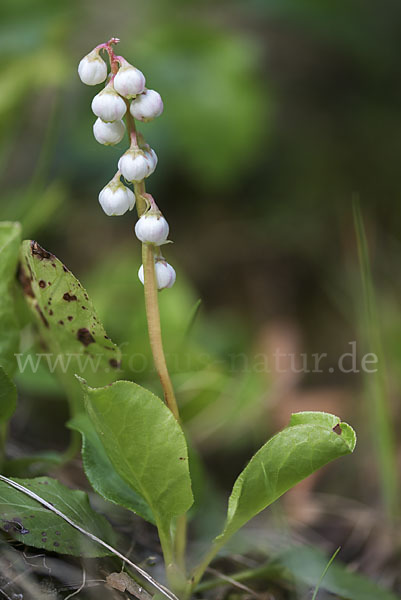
27, 521
69, 298
74, 337
85, 337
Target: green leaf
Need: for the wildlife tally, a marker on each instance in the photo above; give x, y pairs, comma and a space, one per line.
311, 441
10, 237
146, 446
8, 396
307, 565
102, 476
26, 520
326, 420
69, 326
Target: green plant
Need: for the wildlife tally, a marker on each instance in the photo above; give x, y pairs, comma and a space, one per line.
134, 448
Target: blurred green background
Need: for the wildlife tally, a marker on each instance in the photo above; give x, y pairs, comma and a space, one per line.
278, 113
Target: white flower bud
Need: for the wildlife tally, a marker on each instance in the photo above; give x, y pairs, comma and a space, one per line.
152, 228
108, 133
165, 275
115, 198
135, 165
108, 105
129, 81
152, 159
92, 69
147, 106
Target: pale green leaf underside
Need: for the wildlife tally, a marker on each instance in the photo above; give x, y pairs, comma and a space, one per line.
146, 446
10, 237
66, 317
103, 477
311, 441
31, 523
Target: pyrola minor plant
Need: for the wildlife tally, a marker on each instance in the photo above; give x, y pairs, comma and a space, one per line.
134, 450
125, 96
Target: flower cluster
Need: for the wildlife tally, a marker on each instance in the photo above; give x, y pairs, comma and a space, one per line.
125, 96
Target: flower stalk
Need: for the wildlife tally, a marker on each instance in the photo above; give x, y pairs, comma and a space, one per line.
125, 97
154, 328
151, 291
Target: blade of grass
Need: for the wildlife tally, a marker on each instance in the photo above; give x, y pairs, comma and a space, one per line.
327, 567
375, 383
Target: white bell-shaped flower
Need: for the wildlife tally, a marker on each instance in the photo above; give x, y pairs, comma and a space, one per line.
92, 69
152, 228
165, 275
136, 164
108, 133
147, 106
115, 198
129, 81
108, 105
152, 160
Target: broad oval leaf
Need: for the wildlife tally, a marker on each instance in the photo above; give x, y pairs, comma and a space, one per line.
10, 238
312, 440
101, 474
69, 325
26, 520
146, 446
